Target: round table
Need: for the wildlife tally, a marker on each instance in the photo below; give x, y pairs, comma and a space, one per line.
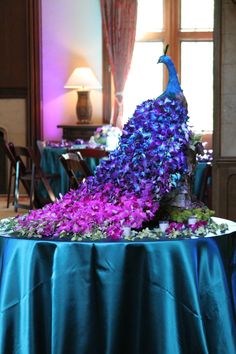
144, 297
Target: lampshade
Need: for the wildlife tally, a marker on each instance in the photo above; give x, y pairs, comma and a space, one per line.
82, 78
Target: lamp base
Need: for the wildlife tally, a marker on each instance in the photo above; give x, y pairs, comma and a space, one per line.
84, 107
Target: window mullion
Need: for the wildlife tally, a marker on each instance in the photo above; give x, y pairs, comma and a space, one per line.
151, 37
167, 22
167, 38
172, 25
196, 36
175, 31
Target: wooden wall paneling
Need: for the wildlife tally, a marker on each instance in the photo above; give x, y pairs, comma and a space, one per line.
224, 168
225, 194
34, 109
13, 49
3, 169
231, 194
20, 59
217, 109
217, 80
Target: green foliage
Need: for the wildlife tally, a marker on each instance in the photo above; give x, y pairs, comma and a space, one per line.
182, 215
195, 138
194, 141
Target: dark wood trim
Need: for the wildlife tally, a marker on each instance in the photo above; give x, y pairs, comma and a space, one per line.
28, 86
225, 160
78, 131
34, 118
217, 108
217, 80
224, 167
225, 194
106, 84
13, 92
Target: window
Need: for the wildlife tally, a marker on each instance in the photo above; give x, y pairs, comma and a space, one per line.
187, 25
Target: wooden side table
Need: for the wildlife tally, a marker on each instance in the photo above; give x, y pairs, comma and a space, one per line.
78, 131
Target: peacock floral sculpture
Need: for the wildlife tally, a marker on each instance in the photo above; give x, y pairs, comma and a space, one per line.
149, 164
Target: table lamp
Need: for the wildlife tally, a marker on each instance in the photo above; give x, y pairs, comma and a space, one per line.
84, 80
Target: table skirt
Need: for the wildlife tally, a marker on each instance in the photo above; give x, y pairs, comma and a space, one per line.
163, 297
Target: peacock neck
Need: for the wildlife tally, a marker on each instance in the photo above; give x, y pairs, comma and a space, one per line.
173, 86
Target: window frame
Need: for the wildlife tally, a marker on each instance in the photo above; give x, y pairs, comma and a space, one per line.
171, 34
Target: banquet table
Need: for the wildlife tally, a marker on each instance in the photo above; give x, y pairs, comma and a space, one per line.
141, 297
51, 164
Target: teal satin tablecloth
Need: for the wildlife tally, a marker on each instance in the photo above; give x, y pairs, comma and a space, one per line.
198, 178
51, 164
163, 297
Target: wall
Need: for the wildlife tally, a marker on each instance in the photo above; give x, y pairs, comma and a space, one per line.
13, 71
228, 90
12, 128
71, 37
12, 120
224, 144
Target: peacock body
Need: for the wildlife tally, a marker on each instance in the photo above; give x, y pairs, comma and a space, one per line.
126, 191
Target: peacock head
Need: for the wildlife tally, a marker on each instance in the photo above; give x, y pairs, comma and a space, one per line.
164, 58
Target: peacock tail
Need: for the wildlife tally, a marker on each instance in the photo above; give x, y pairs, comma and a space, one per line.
127, 188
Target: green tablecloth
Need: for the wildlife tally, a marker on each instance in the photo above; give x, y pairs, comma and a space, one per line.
163, 297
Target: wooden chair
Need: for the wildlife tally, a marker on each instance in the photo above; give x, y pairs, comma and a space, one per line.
75, 167
29, 173
7, 149
91, 156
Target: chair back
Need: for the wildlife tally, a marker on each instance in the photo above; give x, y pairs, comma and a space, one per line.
9, 153
75, 167
25, 158
28, 171
7, 149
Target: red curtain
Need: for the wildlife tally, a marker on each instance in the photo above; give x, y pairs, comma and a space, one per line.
119, 27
